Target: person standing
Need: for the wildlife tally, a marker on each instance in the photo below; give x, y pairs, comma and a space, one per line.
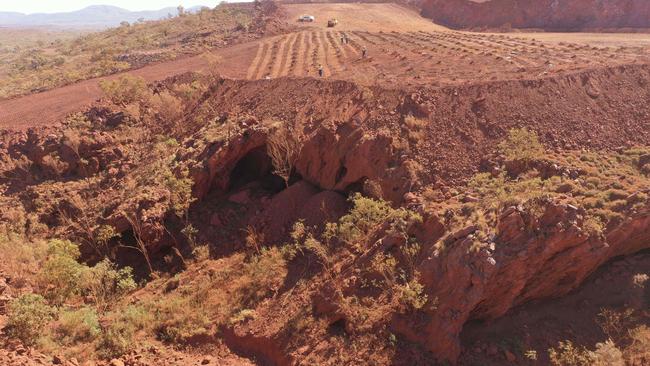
320, 70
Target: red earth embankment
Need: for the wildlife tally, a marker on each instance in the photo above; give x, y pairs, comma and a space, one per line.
596, 109
566, 15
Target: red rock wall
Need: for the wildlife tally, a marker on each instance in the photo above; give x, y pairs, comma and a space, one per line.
568, 15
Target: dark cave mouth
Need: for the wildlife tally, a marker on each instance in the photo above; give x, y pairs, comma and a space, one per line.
257, 166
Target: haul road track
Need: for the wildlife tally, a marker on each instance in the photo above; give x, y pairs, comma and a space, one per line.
404, 50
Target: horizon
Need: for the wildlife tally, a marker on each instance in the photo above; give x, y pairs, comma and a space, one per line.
29, 7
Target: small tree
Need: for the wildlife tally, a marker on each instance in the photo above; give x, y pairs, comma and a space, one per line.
284, 146
521, 144
180, 189
106, 283
28, 316
168, 108
59, 277
125, 90
136, 226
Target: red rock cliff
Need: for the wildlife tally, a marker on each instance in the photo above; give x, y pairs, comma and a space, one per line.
568, 15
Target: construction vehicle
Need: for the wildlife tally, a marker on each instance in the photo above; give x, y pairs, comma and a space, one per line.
332, 23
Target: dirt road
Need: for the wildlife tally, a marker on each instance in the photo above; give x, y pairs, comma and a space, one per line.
50, 106
362, 17
403, 50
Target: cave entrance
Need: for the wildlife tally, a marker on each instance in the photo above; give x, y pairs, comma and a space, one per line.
256, 166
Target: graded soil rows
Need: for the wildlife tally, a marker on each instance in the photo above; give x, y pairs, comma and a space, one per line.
300, 54
423, 57
414, 52
395, 60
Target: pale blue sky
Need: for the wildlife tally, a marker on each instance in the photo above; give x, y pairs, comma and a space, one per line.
55, 6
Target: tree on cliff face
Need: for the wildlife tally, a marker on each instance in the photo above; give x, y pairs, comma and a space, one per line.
283, 146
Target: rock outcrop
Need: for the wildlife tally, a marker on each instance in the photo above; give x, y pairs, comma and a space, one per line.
561, 15
529, 258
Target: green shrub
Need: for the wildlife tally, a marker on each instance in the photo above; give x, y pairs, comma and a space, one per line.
137, 317
27, 317
106, 283
80, 325
125, 90
263, 274
117, 337
366, 216
116, 340
242, 316
593, 225
178, 320
411, 295
521, 144
566, 354
59, 277
180, 189
615, 194
617, 205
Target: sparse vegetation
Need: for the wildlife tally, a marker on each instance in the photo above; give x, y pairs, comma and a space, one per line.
66, 58
151, 178
61, 273
566, 354
284, 146
181, 319
28, 317
118, 337
125, 90
521, 144
74, 326
106, 283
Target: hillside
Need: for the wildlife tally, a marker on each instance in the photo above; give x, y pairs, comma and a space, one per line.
559, 15
386, 191
96, 16
34, 68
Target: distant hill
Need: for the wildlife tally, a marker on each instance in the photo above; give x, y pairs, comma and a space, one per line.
96, 16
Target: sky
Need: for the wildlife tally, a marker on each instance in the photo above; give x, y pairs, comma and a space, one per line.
55, 6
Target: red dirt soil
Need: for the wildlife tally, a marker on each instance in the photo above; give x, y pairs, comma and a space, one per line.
412, 54
50, 107
566, 15
541, 325
600, 109
465, 92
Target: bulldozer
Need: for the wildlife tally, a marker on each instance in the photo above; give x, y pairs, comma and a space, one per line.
332, 23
